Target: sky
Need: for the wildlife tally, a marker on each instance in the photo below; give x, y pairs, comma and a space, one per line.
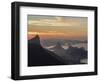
57, 27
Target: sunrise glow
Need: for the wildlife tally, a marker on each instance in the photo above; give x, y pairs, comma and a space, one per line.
53, 27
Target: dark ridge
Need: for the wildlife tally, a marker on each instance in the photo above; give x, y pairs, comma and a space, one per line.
38, 56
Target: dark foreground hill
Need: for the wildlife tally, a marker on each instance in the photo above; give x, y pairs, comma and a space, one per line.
38, 56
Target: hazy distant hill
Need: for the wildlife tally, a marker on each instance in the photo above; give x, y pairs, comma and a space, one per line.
75, 55
38, 56
72, 55
59, 50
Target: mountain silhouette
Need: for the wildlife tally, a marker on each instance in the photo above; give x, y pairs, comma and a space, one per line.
35, 40
38, 56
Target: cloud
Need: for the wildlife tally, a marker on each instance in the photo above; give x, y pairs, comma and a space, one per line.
58, 21
46, 33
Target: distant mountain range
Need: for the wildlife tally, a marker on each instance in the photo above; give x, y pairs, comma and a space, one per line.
39, 56
73, 54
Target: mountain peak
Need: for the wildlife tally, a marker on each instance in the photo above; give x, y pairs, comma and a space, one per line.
58, 46
37, 37
35, 40
69, 45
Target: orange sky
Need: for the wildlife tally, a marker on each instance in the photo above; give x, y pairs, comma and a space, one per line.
57, 27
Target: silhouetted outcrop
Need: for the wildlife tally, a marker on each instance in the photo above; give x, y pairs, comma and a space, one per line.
38, 56
35, 40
